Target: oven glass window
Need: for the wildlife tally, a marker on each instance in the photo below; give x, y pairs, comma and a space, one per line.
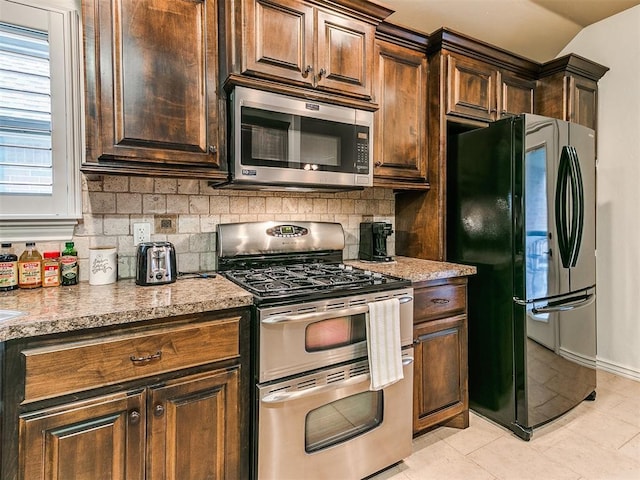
335, 332
342, 420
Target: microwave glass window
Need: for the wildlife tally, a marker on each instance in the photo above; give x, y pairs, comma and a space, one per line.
342, 420
335, 333
318, 150
274, 139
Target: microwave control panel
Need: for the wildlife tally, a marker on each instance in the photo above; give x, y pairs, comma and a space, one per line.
362, 149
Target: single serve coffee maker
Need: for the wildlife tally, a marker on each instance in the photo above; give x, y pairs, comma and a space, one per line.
373, 241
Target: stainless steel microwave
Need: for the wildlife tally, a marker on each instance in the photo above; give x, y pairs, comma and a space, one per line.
282, 142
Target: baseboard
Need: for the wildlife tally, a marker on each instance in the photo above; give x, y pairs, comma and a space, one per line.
617, 369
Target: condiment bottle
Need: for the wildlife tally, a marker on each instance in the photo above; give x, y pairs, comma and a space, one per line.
51, 269
30, 267
69, 265
8, 268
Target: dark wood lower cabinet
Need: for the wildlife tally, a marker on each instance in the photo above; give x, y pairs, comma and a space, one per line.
440, 348
100, 438
155, 401
193, 428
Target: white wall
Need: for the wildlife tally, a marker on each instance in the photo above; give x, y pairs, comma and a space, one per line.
615, 43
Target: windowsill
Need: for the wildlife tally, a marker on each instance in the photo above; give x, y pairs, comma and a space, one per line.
37, 229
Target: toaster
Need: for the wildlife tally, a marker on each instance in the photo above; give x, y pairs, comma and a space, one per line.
156, 263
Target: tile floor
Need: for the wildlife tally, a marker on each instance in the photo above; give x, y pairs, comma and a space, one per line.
595, 441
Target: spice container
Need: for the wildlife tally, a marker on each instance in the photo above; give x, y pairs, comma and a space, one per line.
30, 267
8, 268
51, 269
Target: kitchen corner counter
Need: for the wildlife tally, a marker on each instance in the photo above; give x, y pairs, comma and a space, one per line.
61, 309
415, 269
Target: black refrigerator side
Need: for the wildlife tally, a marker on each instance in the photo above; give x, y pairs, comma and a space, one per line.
480, 233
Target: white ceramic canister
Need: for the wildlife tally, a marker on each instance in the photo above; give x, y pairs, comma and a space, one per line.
103, 265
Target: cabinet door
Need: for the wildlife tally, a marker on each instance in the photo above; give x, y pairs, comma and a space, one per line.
440, 373
582, 101
151, 81
471, 88
279, 39
194, 427
400, 152
344, 54
516, 95
101, 439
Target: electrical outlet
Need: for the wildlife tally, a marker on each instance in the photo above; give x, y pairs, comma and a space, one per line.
141, 233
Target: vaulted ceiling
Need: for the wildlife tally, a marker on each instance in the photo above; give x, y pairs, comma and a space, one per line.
536, 29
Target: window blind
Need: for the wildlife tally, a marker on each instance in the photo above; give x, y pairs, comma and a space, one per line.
25, 112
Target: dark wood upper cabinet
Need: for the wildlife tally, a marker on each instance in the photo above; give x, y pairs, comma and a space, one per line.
480, 90
400, 140
471, 88
324, 46
516, 95
568, 88
151, 87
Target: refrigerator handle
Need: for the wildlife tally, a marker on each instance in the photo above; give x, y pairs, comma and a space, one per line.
569, 191
577, 217
561, 208
572, 303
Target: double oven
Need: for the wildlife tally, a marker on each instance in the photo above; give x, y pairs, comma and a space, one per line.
314, 412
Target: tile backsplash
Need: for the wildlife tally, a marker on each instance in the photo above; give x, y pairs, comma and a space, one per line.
112, 204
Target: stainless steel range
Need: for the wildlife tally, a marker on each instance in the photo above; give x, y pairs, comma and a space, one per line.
315, 414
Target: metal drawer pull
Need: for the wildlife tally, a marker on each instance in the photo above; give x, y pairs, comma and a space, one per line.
147, 359
440, 301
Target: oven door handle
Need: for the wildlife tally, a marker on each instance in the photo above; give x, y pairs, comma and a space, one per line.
281, 397
317, 316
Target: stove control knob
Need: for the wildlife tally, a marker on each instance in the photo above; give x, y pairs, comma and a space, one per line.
159, 276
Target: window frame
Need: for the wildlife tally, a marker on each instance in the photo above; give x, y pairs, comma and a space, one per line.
57, 225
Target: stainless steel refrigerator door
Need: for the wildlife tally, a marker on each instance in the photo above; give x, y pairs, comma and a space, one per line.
544, 276
582, 273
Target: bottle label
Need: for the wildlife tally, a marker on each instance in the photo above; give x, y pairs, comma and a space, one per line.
69, 269
29, 273
8, 274
51, 275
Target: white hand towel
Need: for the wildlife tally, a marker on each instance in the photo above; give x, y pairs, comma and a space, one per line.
383, 343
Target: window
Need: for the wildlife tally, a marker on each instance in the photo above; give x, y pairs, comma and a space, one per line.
40, 119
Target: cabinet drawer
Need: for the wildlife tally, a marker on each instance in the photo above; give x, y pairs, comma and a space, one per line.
74, 366
440, 301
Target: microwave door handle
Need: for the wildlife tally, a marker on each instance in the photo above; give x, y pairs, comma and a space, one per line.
317, 316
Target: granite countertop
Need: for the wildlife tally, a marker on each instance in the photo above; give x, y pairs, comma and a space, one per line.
415, 269
61, 309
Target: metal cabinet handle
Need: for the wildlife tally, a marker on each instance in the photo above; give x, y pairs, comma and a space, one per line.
440, 301
321, 73
147, 359
134, 417
158, 410
307, 71
213, 149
